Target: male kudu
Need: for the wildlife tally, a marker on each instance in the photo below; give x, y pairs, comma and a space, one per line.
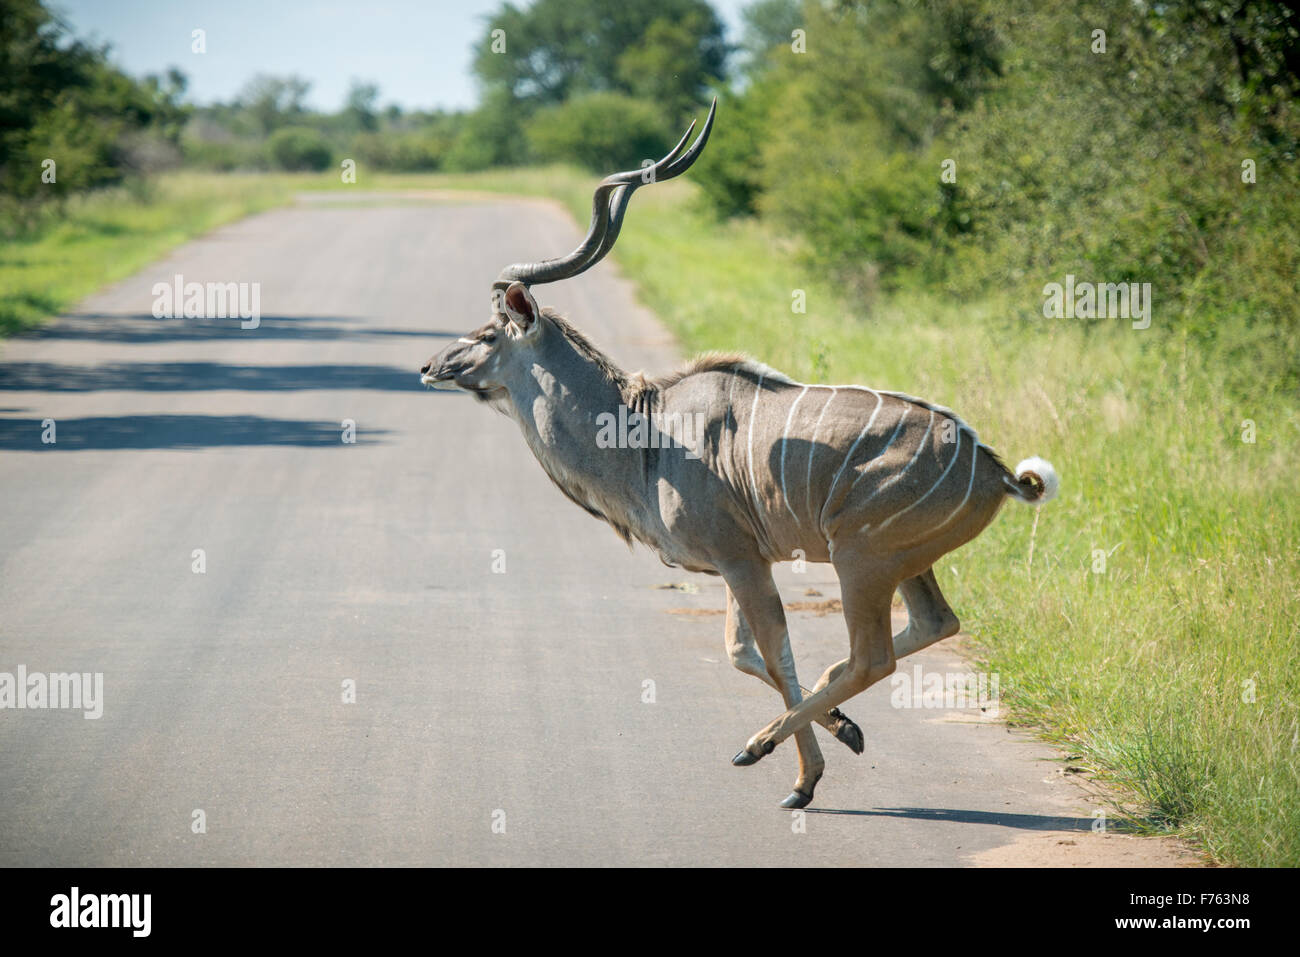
879, 484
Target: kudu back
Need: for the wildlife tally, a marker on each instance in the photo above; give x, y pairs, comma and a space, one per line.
727, 467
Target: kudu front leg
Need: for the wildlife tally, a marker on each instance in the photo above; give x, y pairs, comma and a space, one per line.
754, 603
871, 656
742, 651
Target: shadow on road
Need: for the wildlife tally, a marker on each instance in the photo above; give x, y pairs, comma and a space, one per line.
175, 432
144, 329
204, 377
1024, 822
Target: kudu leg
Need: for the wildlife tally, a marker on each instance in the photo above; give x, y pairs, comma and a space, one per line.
759, 603
929, 619
867, 596
743, 653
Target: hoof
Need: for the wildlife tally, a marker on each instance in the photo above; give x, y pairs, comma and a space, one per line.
744, 757
849, 733
797, 799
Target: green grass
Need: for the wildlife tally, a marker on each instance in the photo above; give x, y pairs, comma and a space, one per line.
1171, 668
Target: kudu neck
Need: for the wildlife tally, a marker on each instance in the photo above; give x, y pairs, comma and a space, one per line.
561, 396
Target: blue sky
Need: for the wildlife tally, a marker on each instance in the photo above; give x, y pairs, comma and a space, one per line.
418, 52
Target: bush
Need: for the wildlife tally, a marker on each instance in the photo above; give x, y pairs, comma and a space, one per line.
405, 152
601, 131
1123, 167
490, 136
223, 155
729, 174
298, 148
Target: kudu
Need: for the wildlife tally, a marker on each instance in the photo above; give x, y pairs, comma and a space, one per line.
877, 483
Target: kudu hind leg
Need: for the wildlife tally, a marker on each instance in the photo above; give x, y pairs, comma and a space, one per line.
754, 606
929, 617
744, 656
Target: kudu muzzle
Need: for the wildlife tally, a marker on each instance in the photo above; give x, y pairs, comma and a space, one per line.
440, 372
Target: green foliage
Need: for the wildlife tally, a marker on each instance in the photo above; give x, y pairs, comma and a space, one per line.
668, 65
223, 155
1122, 165
490, 136
360, 107
298, 148
69, 121
402, 152
601, 131
274, 101
729, 173
556, 49
768, 24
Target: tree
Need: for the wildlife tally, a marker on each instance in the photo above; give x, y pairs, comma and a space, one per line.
767, 24
62, 102
274, 101
360, 105
666, 67
556, 49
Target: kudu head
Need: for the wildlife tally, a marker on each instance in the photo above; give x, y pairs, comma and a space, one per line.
480, 361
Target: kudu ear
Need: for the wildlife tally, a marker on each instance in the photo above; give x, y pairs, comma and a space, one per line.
520, 306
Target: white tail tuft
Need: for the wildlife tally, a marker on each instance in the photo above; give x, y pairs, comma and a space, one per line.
1042, 480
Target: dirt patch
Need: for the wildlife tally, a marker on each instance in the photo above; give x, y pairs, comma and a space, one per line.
1089, 849
818, 608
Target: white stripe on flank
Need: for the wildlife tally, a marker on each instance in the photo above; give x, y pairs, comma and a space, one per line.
913, 400
753, 410
788, 419
812, 446
956, 455
853, 448
910, 462
898, 428
969, 485
941, 409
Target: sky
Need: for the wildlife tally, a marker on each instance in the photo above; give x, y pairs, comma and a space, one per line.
417, 51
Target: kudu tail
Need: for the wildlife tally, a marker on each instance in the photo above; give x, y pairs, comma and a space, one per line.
1035, 482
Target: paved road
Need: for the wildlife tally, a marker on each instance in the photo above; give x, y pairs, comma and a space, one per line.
481, 697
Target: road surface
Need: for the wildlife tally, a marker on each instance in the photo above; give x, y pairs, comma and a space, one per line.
501, 717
